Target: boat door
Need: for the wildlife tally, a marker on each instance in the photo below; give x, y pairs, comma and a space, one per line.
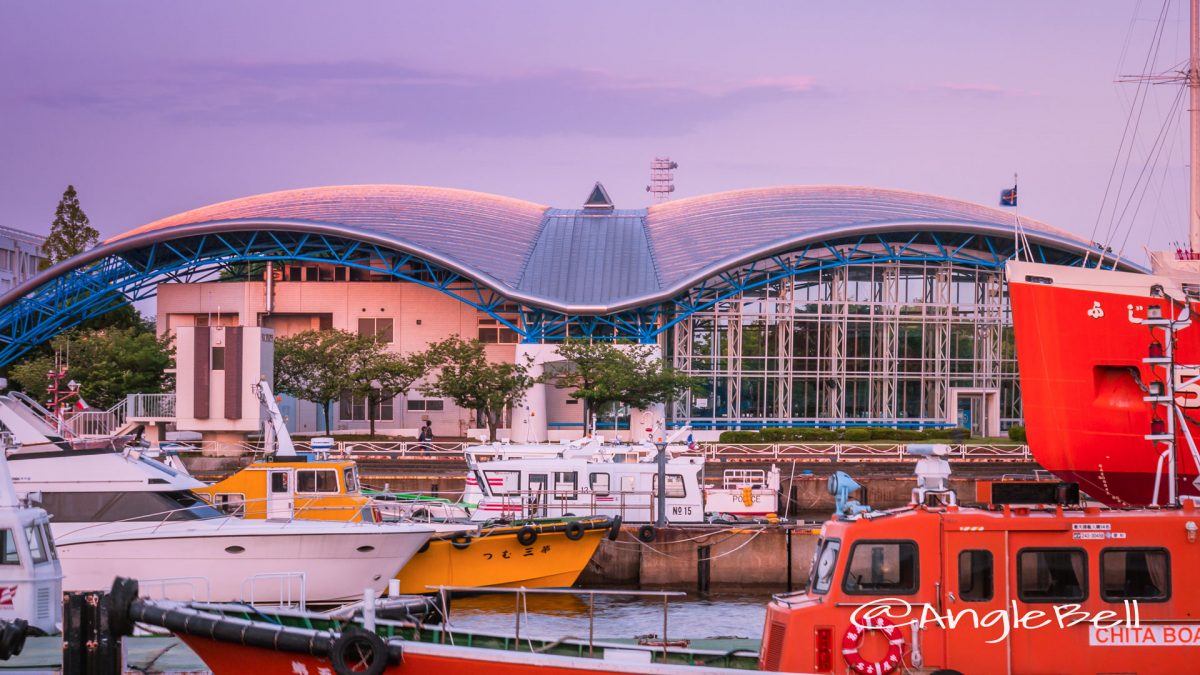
538, 487
280, 494
974, 579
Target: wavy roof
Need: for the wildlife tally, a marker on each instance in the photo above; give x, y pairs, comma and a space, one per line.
578, 260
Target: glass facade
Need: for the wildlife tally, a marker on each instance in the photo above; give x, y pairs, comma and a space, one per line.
887, 342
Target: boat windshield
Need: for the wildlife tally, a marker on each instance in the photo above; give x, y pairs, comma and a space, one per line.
105, 507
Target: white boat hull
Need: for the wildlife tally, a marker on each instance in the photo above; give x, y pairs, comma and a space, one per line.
243, 567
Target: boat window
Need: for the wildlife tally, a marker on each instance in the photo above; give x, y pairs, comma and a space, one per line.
101, 507
351, 479
49, 539
232, 504
1135, 574
1051, 574
279, 481
675, 487
316, 481
8, 549
37, 546
975, 575
566, 484
879, 567
504, 482
824, 564
600, 484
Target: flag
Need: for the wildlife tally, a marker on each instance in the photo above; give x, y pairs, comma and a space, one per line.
691, 443
1009, 197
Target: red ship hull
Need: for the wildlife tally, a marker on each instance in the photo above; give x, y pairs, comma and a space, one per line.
1082, 378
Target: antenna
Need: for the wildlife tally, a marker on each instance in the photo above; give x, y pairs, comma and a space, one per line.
662, 179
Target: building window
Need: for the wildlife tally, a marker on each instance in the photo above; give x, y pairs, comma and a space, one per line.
1135, 574
218, 358
426, 405
975, 575
380, 329
882, 568
493, 332
353, 408
201, 321
1052, 575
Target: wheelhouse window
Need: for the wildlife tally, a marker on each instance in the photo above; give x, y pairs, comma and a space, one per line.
38, 551
882, 568
324, 480
8, 549
1135, 574
503, 482
976, 572
1051, 575
675, 486
566, 484
824, 564
230, 503
600, 484
351, 479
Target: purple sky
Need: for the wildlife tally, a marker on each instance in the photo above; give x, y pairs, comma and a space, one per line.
152, 108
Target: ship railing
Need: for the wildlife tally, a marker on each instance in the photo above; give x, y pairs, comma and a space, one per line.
631, 505
521, 607
837, 451
147, 586
291, 589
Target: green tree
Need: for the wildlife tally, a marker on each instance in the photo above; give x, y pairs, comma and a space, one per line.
318, 365
605, 374
466, 377
387, 374
108, 364
71, 233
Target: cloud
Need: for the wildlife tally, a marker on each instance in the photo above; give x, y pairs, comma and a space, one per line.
420, 104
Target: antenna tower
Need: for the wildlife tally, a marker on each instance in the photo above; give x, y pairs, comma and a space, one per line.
662, 179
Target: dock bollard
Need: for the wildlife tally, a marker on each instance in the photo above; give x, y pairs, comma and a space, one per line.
89, 648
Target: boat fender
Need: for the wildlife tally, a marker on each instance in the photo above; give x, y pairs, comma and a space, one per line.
853, 639
646, 533
425, 546
526, 536
614, 530
358, 651
12, 638
460, 540
574, 530
124, 591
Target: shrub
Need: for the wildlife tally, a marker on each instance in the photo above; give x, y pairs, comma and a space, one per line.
956, 434
740, 437
1017, 434
857, 435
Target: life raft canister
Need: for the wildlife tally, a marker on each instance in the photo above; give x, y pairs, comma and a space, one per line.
852, 642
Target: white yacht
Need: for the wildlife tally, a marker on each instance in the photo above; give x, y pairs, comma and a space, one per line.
116, 512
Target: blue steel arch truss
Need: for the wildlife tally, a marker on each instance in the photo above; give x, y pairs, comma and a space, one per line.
91, 290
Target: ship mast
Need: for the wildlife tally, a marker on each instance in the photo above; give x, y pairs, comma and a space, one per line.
1193, 83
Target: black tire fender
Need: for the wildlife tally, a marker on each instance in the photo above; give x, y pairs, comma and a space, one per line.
614, 530
124, 592
646, 533
526, 536
574, 530
358, 651
460, 541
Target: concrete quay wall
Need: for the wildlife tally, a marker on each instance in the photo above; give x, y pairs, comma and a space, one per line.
705, 558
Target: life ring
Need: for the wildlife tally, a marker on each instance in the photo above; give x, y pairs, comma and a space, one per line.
358, 652
646, 533
460, 540
574, 530
526, 536
852, 642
